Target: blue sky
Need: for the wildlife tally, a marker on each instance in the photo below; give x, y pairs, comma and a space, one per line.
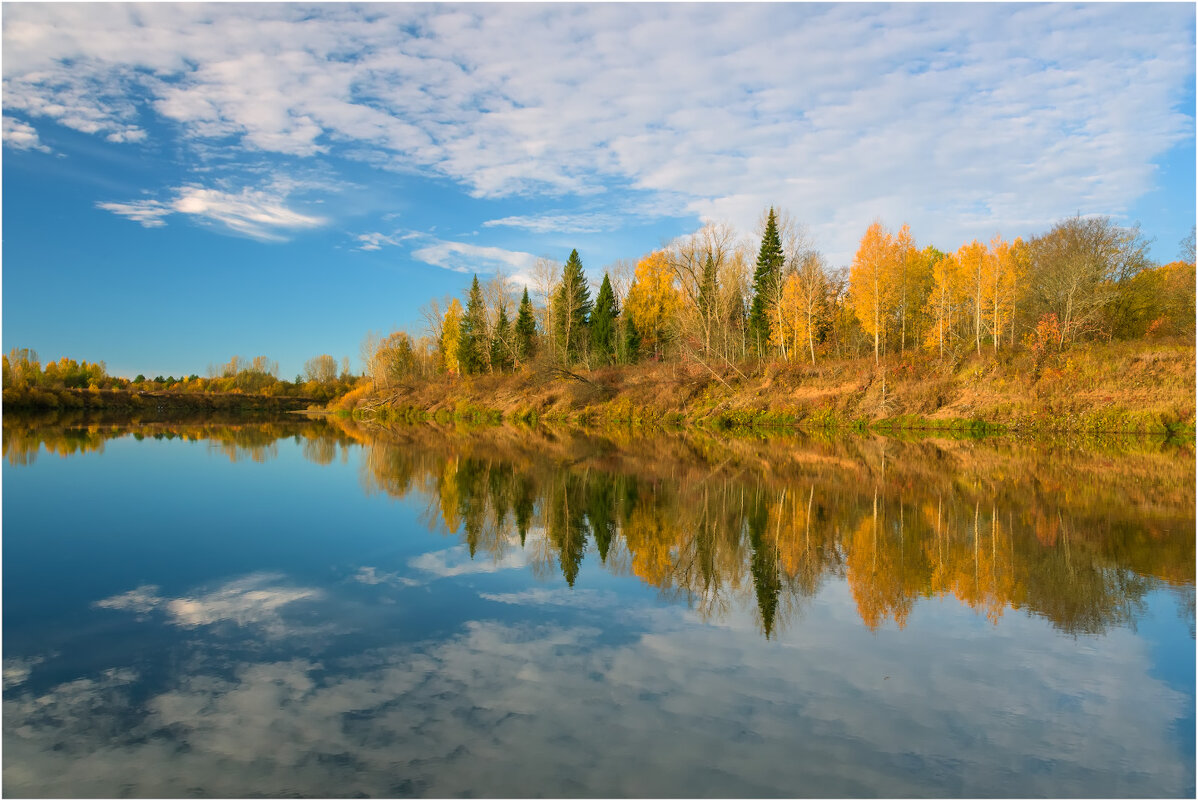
182, 183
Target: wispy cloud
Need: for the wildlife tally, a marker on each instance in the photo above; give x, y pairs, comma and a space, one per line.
466, 258
254, 213
22, 136
956, 118
583, 223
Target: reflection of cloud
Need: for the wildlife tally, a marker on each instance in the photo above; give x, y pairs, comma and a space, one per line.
543, 596
370, 575
140, 601
456, 561
525, 709
17, 670
253, 600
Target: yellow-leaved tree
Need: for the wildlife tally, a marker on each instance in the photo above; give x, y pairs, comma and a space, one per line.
653, 300
975, 268
451, 337
801, 308
869, 281
1007, 269
942, 301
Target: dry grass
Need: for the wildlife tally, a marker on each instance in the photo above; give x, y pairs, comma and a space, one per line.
1136, 386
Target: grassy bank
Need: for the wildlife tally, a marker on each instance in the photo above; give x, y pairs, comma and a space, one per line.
1107, 388
131, 401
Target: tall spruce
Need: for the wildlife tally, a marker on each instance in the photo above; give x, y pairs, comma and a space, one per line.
629, 342
501, 348
526, 330
604, 319
572, 309
473, 347
766, 280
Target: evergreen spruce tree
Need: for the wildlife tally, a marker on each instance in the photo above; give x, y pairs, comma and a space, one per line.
572, 308
765, 281
526, 330
473, 347
501, 354
604, 319
630, 341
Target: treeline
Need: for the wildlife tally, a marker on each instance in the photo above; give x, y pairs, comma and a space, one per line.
27, 382
707, 298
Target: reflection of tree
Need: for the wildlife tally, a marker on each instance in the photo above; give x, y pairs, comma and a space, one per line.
704, 520
1078, 538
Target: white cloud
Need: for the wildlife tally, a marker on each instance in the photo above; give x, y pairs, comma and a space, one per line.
147, 212
465, 258
960, 119
375, 241
259, 214
22, 136
584, 223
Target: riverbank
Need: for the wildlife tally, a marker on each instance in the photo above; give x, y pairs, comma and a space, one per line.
1123, 387
131, 401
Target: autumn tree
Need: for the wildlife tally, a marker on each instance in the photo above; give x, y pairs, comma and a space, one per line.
451, 337
1077, 269
321, 369
869, 289
975, 267
942, 301
653, 301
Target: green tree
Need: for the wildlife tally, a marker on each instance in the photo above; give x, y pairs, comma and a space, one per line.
604, 320
766, 282
572, 309
501, 351
473, 350
526, 330
630, 341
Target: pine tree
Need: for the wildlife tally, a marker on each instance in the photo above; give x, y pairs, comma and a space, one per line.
501, 354
572, 308
766, 282
603, 323
473, 345
526, 330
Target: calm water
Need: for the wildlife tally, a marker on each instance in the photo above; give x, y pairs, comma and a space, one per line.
311, 607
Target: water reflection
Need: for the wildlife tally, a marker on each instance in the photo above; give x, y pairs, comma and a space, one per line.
444, 670
1077, 534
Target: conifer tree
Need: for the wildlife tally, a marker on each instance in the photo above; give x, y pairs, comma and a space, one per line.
526, 330
572, 308
766, 282
630, 341
501, 353
603, 323
473, 350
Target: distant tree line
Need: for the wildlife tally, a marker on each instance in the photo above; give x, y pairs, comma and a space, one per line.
28, 381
